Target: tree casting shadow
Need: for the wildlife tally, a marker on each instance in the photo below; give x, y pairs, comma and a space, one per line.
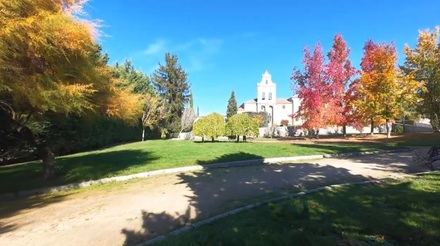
218, 190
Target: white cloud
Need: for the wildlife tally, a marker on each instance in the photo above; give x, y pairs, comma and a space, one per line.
157, 47
195, 55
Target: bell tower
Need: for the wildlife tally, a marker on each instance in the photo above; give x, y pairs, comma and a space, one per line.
266, 95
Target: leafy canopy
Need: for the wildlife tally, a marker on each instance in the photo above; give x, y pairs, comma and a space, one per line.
242, 125
422, 64
381, 89
212, 125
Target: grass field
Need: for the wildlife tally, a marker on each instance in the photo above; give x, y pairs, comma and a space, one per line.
159, 154
404, 213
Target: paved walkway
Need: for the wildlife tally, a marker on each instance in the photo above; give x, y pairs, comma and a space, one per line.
139, 210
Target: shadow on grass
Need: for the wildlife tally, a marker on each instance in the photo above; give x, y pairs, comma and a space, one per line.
214, 191
390, 214
239, 156
217, 190
344, 147
72, 169
101, 164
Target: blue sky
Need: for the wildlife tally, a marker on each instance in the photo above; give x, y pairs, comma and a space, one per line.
226, 45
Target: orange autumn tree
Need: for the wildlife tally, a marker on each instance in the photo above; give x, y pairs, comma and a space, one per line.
50, 64
380, 89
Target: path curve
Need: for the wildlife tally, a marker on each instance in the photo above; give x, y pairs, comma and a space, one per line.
143, 209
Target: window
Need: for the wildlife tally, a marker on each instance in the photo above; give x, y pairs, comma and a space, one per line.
263, 96
267, 81
270, 95
284, 106
263, 108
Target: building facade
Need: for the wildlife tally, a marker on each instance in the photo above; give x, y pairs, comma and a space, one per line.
278, 109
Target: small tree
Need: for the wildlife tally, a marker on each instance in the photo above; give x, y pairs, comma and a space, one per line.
199, 128
216, 126
242, 125
212, 126
261, 117
152, 112
232, 106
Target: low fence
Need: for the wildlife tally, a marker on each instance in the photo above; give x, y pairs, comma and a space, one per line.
296, 131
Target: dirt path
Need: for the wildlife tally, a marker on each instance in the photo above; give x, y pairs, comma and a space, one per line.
132, 212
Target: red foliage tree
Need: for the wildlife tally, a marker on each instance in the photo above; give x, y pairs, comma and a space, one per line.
312, 89
340, 72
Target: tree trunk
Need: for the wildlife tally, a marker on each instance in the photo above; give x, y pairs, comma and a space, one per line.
388, 127
244, 138
143, 134
403, 125
372, 126
238, 138
48, 159
344, 130
212, 139
203, 139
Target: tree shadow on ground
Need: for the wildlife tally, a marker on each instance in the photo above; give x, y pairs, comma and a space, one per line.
239, 156
72, 169
217, 190
386, 214
336, 148
69, 170
408, 139
10, 207
155, 222
101, 164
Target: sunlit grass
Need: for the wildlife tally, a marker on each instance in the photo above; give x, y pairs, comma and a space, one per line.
159, 154
395, 213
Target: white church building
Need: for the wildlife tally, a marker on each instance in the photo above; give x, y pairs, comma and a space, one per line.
278, 109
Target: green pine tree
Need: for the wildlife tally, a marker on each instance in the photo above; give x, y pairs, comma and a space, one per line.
232, 106
173, 88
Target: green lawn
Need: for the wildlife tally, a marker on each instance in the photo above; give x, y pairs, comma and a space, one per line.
159, 154
404, 213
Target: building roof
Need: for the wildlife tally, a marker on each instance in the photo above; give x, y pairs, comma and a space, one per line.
279, 101
284, 101
251, 101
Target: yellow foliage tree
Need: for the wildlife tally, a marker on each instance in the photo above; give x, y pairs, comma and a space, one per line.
422, 63
381, 91
50, 63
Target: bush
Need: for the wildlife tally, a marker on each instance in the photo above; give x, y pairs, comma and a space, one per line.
398, 128
75, 134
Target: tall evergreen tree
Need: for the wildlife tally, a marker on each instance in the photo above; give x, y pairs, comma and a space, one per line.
191, 101
232, 106
172, 85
